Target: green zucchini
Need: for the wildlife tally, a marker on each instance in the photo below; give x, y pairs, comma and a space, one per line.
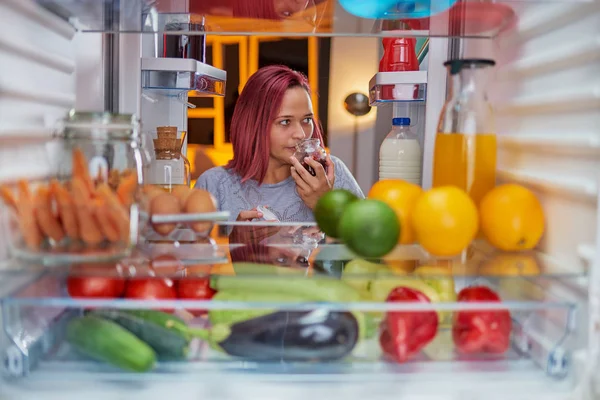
167, 334
318, 289
106, 341
246, 268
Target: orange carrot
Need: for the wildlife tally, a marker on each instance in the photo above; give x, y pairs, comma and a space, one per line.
27, 223
104, 220
45, 217
118, 212
8, 197
66, 209
89, 230
81, 171
127, 188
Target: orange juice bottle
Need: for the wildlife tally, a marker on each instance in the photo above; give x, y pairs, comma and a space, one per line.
465, 145
466, 161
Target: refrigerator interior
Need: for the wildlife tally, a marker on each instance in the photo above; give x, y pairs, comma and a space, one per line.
545, 90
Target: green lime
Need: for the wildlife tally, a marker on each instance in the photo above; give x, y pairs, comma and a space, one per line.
369, 228
329, 209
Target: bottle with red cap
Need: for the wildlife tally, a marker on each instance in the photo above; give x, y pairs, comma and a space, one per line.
399, 55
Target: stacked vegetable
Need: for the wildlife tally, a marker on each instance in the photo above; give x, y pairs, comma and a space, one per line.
257, 334
84, 210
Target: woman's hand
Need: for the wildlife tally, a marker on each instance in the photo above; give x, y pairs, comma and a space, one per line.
249, 215
311, 188
251, 234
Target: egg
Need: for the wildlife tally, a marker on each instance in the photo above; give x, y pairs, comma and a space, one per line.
152, 191
162, 204
200, 201
182, 193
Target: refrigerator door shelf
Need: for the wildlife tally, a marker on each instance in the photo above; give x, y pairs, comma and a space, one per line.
171, 76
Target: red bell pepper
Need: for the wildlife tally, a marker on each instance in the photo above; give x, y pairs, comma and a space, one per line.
405, 333
484, 331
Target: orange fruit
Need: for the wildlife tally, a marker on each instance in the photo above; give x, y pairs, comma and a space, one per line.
445, 220
401, 196
512, 218
511, 264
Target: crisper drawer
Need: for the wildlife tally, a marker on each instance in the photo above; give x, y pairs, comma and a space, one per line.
312, 325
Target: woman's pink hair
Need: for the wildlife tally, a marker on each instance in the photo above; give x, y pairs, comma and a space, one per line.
253, 116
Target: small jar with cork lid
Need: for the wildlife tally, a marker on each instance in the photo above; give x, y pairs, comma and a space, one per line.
169, 167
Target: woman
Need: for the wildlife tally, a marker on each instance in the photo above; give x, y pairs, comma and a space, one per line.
261, 9
273, 114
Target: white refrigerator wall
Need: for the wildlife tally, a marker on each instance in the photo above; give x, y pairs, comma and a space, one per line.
546, 90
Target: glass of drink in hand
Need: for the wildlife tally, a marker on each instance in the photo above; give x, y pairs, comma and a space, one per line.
311, 148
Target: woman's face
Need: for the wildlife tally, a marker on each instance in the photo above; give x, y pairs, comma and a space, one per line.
286, 8
293, 123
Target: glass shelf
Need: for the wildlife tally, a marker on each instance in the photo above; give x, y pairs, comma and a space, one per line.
389, 87
466, 18
35, 317
293, 269
172, 76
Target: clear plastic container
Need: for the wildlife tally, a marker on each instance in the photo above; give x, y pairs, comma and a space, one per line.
269, 316
465, 146
93, 209
400, 154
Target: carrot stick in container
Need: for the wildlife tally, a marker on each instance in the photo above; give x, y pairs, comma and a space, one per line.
104, 220
81, 171
30, 230
127, 188
45, 216
8, 197
118, 213
66, 209
89, 230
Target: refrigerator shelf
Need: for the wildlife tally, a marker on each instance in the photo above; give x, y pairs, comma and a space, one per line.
468, 19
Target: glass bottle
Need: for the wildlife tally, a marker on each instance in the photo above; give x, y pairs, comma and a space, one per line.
169, 168
311, 148
465, 145
400, 155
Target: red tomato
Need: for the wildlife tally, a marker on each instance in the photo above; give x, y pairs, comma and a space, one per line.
195, 289
151, 289
95, 287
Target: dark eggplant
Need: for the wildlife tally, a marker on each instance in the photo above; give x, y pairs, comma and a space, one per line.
317, 335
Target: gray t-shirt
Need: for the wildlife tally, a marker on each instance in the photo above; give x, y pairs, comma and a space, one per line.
281, 198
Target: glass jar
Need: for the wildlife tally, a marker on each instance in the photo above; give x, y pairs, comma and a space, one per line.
100, 172
465, 145
311, 148
169, 168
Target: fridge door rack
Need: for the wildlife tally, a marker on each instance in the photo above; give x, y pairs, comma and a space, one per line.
406, 86
171, 76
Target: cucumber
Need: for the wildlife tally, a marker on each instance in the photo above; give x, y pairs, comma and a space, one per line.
167, 334
106, 341
318, 289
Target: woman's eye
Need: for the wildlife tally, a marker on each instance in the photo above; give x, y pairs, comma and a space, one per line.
308, 120
284, 122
